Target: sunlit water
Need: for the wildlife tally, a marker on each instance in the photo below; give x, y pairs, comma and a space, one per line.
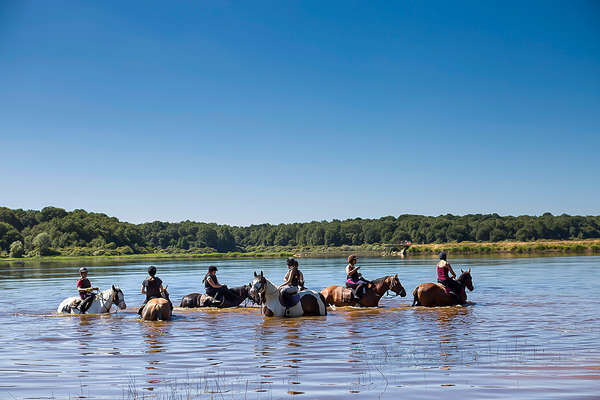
532, 331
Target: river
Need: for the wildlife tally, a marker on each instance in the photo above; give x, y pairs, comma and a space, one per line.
531, 331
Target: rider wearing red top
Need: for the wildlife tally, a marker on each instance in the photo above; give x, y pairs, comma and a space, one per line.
85, 290
443, 268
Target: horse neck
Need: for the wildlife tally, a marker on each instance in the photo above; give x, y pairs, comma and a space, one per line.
271, 291
382, 287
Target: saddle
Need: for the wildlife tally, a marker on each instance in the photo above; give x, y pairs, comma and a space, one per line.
347, 296
208, 301
287, 299
447, 290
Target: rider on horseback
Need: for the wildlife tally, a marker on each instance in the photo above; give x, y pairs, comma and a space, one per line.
293, 281
355, 280
443, 268
212, 286
152, 287
85, 291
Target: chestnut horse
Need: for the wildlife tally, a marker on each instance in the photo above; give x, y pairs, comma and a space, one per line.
158, 308
340, 296
234, 298
435, 295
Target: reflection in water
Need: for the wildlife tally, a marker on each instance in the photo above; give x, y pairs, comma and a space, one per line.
155, 336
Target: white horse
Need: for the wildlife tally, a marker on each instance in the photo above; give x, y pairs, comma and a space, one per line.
307, 302
100, 305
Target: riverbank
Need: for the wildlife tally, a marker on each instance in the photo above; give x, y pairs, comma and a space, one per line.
589, 246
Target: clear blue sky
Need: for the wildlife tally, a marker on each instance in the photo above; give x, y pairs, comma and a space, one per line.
245, 112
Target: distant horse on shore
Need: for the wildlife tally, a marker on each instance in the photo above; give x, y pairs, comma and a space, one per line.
158, 308
341, 296
234, 298
436, 295
101, 304
277, 303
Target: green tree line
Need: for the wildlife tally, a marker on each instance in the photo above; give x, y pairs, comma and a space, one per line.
51, 230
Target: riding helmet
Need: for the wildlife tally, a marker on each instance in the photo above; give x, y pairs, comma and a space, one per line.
83, 269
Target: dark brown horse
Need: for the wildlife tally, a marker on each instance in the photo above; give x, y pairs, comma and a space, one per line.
341, 296
435, 295
159, 308
234, 298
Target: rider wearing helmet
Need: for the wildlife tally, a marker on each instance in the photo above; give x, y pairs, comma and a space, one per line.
355, 280
443, 268
85, 289
152, 287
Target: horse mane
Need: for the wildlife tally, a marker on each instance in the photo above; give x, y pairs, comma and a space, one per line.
380, 280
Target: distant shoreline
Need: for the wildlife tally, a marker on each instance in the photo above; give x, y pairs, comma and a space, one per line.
588, 246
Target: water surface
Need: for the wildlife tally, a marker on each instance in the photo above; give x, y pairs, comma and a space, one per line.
531, 332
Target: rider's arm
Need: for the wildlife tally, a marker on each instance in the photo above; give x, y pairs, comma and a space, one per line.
350, 270
451, 271
301, 278
286, 279
211, 283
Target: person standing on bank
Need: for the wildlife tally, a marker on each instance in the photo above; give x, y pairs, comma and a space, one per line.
152, 287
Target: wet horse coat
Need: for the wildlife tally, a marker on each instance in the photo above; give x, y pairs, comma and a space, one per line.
341, 296
193, 300
158, 309
101, 304
267, 294
437, 295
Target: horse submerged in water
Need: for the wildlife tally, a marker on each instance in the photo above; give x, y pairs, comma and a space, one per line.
158, 308
101, 304
341, 296
234, 298
437, 295
274, 303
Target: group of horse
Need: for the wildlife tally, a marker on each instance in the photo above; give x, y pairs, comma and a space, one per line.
274, 302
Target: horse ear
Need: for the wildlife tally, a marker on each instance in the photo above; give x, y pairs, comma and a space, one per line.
166, 287
469, 271
396, 276
114, 288
461, 270
261, 274
255, 274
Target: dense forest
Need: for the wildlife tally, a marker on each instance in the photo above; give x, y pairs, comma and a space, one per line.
53, 231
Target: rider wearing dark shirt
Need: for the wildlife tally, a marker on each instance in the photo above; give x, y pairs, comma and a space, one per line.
212, 286
152, 287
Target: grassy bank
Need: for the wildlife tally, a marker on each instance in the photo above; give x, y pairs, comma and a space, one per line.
590, 246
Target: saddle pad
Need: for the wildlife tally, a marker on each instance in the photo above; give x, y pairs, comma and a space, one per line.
346, 295
287, 300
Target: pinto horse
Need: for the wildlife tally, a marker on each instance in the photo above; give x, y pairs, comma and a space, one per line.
101, 304
341, 296
158, 308
235, 297
436, 295
305, 302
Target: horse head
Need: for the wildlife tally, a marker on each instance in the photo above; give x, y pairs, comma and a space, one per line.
118, 298
165, 294
465, 279
258, 287
396, 286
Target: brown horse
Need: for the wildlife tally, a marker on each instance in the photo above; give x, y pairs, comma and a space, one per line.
158, 309
435, 295
341, 296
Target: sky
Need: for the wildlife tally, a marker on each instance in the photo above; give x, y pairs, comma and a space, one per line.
244, 112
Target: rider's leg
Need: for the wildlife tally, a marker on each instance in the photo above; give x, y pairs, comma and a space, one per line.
86, 303
142, 307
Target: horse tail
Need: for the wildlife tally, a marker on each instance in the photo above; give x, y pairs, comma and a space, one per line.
324, 303
150, 312
415, 297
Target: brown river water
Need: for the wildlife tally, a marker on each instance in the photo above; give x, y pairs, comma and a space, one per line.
531, 331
